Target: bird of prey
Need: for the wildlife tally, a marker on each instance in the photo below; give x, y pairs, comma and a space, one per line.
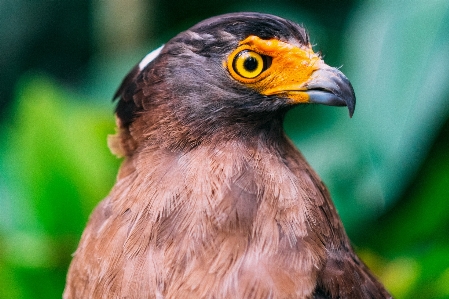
212, 199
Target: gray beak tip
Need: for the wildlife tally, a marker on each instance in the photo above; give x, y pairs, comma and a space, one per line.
329, 86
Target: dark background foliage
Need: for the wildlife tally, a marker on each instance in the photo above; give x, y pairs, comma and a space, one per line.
387, 168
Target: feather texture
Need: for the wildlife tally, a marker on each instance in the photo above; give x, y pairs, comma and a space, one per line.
212, 199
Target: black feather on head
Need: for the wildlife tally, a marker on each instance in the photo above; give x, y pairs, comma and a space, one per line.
188, 74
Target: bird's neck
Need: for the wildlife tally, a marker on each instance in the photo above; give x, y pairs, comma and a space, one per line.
237, 182
182, 134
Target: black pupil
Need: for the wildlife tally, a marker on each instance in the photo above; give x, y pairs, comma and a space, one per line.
250, 64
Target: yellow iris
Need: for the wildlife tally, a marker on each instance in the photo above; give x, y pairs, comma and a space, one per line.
248, 64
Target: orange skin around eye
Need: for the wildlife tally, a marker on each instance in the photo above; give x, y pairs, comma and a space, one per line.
289, 72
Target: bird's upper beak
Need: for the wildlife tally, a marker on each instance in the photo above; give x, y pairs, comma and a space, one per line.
329, 86
299, 74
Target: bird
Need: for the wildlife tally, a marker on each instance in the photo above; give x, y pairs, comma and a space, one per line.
212, 199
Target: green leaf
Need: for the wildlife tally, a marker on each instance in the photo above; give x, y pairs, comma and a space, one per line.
55, 168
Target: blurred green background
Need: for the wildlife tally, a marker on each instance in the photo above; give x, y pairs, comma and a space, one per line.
387, 167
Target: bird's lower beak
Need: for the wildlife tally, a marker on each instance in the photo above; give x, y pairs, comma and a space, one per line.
329, 86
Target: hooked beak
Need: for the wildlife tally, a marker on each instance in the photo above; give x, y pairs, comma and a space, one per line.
329, 86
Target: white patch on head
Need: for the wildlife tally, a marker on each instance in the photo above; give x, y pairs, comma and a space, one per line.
150, 57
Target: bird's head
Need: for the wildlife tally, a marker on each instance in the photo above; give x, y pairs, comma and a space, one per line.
228, 76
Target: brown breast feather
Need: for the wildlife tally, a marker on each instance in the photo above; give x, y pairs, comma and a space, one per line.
236, 221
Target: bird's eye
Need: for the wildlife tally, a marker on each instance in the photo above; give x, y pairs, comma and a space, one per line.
249, 64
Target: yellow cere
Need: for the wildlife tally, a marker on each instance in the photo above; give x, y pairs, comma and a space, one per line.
290, 69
